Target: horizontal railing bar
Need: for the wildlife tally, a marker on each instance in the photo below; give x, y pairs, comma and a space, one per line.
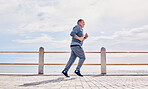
60, 64
37, 64
126, 64
56, 52
73, 64
18, 52
18, 63
92, 52
69, 52
37, 52
61, 52
126, 52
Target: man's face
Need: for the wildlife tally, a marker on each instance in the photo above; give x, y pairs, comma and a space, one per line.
82, 23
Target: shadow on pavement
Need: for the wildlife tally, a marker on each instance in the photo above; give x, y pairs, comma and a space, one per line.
46, 81
30, 75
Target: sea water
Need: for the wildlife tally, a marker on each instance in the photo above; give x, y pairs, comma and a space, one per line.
85, 69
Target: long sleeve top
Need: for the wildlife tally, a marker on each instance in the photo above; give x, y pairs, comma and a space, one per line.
76, 31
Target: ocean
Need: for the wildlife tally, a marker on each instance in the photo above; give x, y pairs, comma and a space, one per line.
63, 58
85, 69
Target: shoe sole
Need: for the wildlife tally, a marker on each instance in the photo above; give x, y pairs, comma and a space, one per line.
64, 75
77, 75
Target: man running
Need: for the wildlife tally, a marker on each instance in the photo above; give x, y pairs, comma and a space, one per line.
76, 48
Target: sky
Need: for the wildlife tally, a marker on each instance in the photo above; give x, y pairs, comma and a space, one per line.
117, 25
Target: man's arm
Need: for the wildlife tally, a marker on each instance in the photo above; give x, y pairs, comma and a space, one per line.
79, 38
82, 38
74, 33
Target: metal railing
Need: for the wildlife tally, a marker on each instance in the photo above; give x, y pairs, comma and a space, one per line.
41, 59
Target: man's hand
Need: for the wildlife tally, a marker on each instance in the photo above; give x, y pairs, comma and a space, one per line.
79, 38
86, 35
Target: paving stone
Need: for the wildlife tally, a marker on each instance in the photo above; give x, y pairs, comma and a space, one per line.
74, 82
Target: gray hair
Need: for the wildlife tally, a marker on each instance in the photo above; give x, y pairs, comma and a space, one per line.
79, 20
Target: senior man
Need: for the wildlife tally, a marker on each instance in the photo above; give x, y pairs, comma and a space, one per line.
76, 48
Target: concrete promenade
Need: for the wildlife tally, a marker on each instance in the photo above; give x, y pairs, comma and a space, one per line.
34, 81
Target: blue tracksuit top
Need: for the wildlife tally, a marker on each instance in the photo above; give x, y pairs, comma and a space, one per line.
76, 31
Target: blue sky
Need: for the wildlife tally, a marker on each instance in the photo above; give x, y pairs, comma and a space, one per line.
118, 25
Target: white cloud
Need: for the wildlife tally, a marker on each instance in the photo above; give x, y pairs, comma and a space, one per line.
129, 34
127, 10
55, 16
129, 39
44, 40
102, 17
36, 16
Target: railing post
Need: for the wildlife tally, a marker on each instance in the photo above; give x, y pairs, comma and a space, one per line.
41, 61
103, 61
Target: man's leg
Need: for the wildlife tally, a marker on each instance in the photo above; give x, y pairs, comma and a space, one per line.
79, 52
71, 61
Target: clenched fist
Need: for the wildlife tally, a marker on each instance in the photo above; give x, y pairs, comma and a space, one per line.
86, 35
